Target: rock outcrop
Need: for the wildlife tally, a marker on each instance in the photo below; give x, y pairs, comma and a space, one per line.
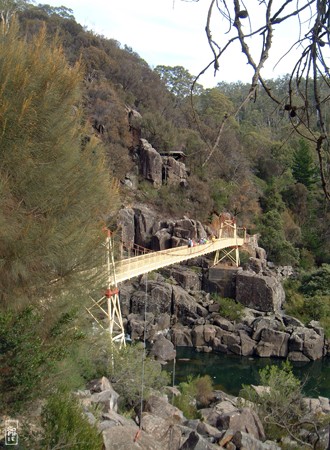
158, 169
223, 424
179, 305
192, 318
257, 291
151, 163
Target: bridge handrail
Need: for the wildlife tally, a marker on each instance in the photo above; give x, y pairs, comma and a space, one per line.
132, 267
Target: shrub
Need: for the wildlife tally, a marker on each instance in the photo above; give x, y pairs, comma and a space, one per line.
308, 297
125, 373
280, 406
65, 425
204, 390
195, 392
316, 281
229, 308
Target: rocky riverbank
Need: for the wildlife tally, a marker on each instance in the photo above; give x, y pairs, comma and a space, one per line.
178, 316
180, 310
226, 422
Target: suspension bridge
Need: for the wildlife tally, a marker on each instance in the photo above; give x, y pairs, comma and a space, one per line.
226, 245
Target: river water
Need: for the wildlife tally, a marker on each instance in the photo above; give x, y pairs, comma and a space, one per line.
230, 372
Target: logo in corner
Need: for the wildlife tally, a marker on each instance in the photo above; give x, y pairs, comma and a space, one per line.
11, 432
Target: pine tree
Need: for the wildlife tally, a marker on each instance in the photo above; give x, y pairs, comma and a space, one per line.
303, 167
55, 191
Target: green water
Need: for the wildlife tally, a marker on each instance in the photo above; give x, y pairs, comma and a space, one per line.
230, 372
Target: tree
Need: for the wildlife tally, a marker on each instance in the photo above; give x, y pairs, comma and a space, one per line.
178, 80
280, 404
127, 377
55, 192
303, 168
306, 99
8, 8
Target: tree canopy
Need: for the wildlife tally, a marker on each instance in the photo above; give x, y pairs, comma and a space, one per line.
307, 86
54, 184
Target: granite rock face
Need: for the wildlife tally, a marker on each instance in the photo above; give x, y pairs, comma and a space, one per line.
260, 292
151, 163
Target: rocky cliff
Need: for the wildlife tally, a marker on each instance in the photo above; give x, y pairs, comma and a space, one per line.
180, 307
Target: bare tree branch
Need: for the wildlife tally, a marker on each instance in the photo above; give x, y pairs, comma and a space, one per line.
308, 72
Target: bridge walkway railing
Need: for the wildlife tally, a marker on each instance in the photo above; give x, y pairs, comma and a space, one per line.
138, 265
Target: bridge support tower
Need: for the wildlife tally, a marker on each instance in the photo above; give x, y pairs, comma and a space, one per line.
109, 303
228, 228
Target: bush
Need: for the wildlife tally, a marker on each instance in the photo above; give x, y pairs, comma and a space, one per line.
65, 425
31, 347
280, 407
229, 308
195, 392
308, 297
316, 281
125, 374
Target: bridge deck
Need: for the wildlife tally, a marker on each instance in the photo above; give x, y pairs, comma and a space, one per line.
138, 265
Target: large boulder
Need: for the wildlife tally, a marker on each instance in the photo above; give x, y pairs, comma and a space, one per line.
174, 172
145, 227
160, 407
166, 432
308, 341
129, 437
151, 163
240, 440
248, 345
188, 279
161, 240
263, 293
222, 280
163, 349
158, 299
106, 399
197, 335
195, 441
245, 420
181, 336
188, 228
185, 306
125, 222
272, 343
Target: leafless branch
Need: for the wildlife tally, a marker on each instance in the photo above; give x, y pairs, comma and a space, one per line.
304, 81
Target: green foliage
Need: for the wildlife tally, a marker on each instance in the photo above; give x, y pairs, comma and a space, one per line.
280, 406
303, 167
316, 282
272, 238
229, 308
39, 344
178, 80
55, 191
204, 390
194, 393
308, 298
159, 131
65, 425
125, 374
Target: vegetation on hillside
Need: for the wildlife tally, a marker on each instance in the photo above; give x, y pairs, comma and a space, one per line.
280, 404
308, 297
65, 146
56, 195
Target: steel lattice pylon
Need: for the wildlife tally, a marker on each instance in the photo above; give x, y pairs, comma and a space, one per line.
109, 303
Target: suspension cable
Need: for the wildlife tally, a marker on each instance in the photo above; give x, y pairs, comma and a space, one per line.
144, 350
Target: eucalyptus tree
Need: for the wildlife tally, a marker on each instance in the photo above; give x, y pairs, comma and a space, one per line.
178, 80
9, 7
255, 27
